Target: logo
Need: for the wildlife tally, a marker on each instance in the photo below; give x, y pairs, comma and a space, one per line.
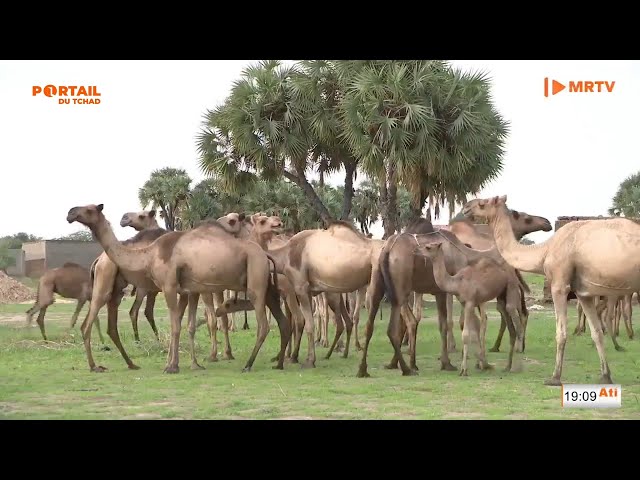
70, 94
580, 86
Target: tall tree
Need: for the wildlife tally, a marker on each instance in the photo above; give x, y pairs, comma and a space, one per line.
423, 125
80, 235
626, 201
167, 190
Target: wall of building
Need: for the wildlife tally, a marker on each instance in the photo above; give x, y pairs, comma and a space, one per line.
17, 269
58, 252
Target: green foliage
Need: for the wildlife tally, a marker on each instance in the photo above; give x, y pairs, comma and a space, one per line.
10, 242
626, 201
167, 190
81, 235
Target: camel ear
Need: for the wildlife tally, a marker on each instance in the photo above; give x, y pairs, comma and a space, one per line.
100, 207
152, 213
241, 216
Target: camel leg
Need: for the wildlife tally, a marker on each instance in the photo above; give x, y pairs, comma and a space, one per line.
207, 298
263, 326
394, 332
212, 322
112, 329
356, 317
451, 341
559, 291
597, 336
193, 299
483, 325
346, 316
579, 330
74, 317
245, 325
509, 315
133, 312
443, 325
176, 310
273, 299
148, 312
293, 327
411, 324
333, 300
466, 338
40, 320
97, 302
503, 327
626, 313
232, 320
611, 312
375, 293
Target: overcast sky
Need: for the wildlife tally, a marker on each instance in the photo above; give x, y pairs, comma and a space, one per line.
565, 155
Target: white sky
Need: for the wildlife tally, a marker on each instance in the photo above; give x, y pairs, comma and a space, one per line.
566, 154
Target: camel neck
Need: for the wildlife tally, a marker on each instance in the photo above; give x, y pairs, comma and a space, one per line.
130, 259
528, 258
445, 282
279, 256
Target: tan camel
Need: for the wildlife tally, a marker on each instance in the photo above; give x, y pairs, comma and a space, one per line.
206, 259
109, 284
143, 220
69, 281
479, 282
588, 257
338, 260
610, 322
522, 224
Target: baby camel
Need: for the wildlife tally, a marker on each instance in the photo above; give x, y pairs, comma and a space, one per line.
69, 281
477, 283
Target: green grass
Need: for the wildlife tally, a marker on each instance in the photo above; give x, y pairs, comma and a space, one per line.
52, 380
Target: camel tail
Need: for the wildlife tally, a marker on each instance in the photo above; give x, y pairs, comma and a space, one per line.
386, 276
133, 290
523, 284
523, 303
92, 270
275, 273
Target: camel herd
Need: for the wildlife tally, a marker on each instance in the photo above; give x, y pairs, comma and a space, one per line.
298, 278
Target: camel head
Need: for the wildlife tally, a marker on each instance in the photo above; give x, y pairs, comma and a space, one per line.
89, 215
484, 207
264, 225
139, 220
522, 223
431, 249
232, 222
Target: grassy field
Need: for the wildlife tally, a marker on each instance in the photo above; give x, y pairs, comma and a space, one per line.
41, 380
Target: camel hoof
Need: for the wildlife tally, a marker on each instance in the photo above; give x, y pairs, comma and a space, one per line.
620, 348
606, 379
98, 369
246, 369
196, 366
464, 373
105, 348
631, 337
494, 349
228, 356
448, 367
212, 359
171, 369
391, 366
359, 347
409, 373
308, 364
293, 360
485, 366
133, 366
553, 382
362, 374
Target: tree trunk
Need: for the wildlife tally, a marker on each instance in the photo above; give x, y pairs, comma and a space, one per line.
390, 208
311, 194
347, 200
416, 208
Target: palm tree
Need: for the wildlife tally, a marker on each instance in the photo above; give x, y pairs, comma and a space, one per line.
423, 125
168, 190
626, 201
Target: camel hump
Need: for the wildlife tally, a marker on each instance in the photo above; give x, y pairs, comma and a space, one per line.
420, 226
342, 223
71, 265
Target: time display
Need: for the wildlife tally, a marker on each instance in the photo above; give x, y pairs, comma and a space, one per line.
592, 396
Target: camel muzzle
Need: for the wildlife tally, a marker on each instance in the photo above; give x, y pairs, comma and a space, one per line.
125, 221
72, 215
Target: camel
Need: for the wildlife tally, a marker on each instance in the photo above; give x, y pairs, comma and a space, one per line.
206, 259
143, 220
109, 283
609, 312
402, 272
522, 224
480, 281
304, 260
588, 257
69, 281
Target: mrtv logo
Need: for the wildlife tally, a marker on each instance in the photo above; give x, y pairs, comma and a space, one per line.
69, 94
554, 87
